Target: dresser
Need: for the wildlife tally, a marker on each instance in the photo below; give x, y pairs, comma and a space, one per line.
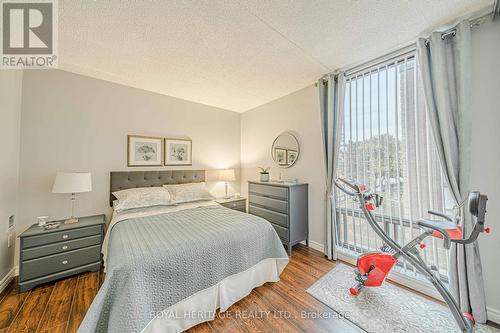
285, 206
48, 255
239, 204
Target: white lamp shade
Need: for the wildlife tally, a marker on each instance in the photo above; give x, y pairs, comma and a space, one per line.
72, 182
227, 175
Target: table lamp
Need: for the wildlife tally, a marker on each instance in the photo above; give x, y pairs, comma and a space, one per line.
72, 182
227, 175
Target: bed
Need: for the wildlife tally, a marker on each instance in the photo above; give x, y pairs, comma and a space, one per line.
168, 268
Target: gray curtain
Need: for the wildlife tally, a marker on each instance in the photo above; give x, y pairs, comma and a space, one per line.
331, 92
445, 67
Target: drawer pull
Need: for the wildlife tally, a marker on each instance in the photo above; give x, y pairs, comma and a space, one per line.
64, 262
65, 247
64, 236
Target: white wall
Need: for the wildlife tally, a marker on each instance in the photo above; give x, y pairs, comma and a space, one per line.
299, 113
485, 146
76, 123
10, 97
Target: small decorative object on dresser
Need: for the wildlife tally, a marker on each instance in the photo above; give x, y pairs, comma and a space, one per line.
144, 151
48, 255
264, 174
72, 182
178, 152
285, 206
234, 203
42, 220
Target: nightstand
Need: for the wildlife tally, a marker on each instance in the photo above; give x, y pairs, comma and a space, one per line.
48, 255
234, 203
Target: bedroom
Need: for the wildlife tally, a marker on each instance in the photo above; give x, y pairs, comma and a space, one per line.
212, 88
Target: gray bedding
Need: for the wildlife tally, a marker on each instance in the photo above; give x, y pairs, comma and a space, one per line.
156, 261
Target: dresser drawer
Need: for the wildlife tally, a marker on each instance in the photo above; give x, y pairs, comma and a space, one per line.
60, 236
282, 232
267, 190
271, 216
270, 203
54, 248
59, 262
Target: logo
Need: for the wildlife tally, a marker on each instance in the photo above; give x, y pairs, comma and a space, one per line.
29, 34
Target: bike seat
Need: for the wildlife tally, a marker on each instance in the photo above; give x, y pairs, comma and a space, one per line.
454, 231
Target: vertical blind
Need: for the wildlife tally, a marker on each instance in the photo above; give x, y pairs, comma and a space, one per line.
387, 145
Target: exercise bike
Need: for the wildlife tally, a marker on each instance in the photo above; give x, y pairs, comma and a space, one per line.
373, 267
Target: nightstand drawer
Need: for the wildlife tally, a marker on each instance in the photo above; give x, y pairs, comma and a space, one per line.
235, 205
271, 216
60, 236
59, 262
55, 248
269, 203
274, 191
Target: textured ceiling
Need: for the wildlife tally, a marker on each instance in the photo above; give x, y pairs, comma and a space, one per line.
237, 55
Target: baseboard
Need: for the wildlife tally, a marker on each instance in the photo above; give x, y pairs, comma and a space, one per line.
315, 245
7, 278
493, 315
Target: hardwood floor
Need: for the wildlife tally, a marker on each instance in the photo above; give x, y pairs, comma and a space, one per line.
275, 307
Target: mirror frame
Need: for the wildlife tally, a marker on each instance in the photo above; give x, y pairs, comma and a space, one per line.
298, 149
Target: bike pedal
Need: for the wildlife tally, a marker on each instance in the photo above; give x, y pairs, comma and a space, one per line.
361, 279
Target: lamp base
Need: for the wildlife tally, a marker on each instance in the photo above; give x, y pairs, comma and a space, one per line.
71, 220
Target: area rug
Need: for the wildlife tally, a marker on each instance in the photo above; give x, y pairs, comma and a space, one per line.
388, 308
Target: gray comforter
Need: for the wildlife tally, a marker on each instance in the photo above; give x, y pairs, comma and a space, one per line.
156, 261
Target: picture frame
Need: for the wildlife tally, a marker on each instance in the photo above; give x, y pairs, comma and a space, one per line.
178, 152
280, 156
291, 156
144, 151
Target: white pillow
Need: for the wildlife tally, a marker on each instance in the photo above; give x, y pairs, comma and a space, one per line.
189, 192
142, 197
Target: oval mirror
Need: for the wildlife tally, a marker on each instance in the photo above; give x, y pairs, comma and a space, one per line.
285, 150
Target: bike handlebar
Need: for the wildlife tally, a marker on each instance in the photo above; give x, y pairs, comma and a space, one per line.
444, 216
341, 184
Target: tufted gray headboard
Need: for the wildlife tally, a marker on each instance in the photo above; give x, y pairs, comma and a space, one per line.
122, 180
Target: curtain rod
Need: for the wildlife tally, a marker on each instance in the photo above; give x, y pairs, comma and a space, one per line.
352, 69
474, 22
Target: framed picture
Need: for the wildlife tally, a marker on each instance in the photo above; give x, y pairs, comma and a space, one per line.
144, 151
178, 152
291, 156
280, 156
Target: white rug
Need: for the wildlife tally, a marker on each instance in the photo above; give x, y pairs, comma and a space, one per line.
388, 308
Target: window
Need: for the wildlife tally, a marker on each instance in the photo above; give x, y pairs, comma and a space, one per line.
387, 144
